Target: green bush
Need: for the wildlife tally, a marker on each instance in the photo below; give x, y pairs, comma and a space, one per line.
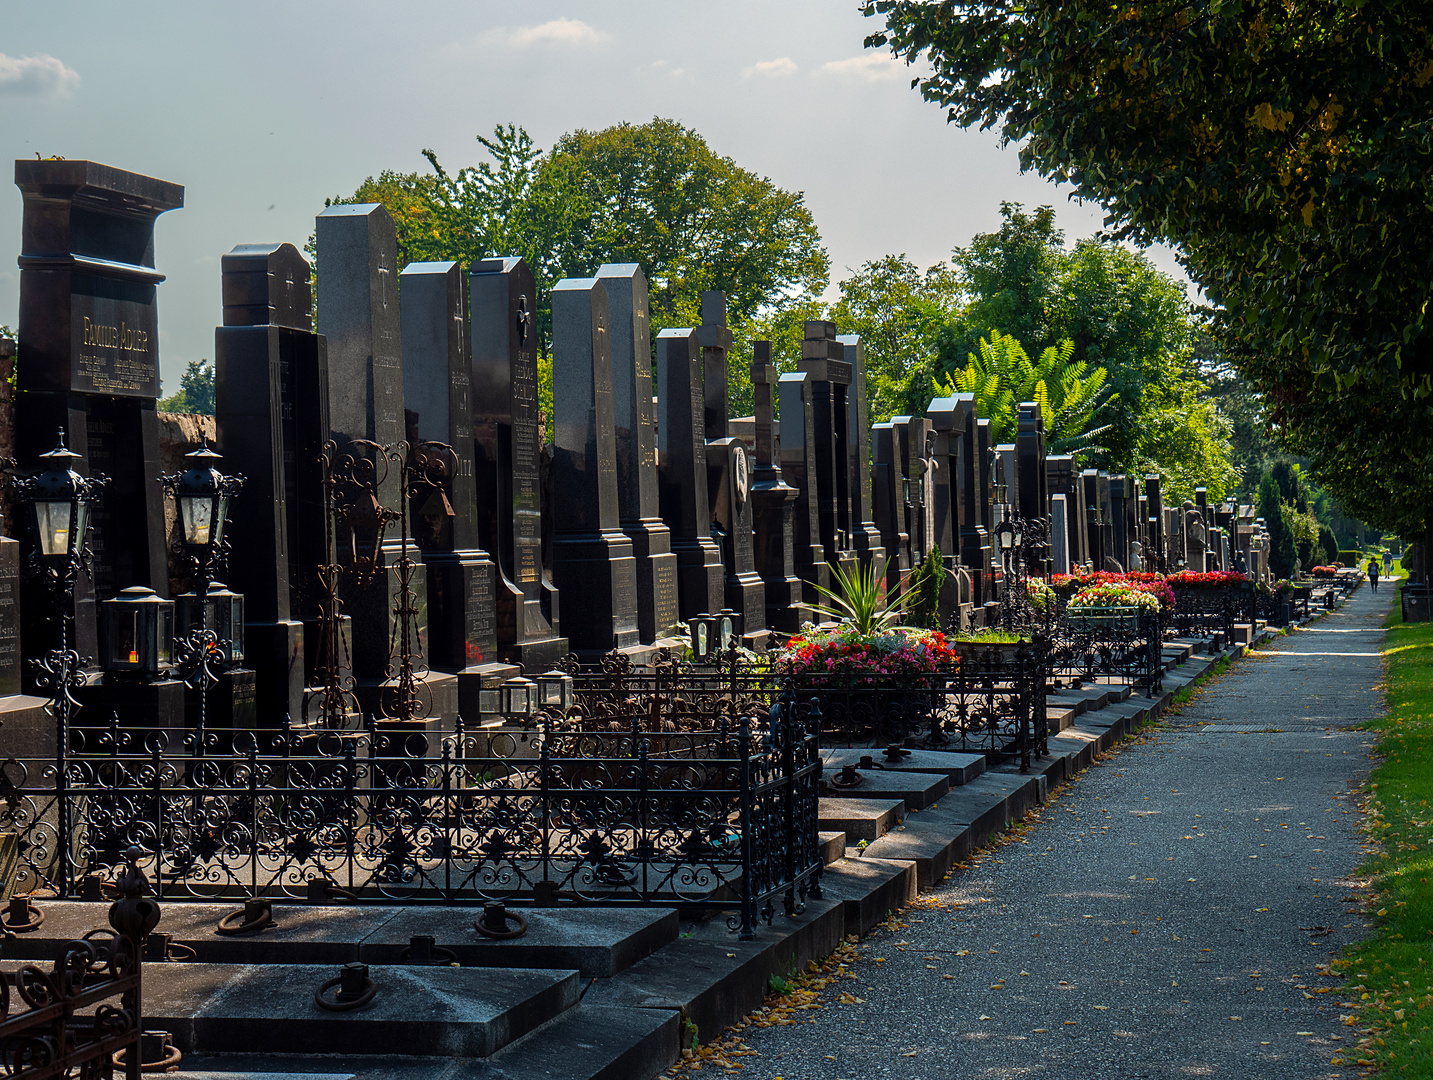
923, 609
1349, 558
1329, 545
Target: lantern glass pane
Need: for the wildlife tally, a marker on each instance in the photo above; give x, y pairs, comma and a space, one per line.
53, 519
196, 518
164, 639
124, 642
221, 515
701, 649
726, 634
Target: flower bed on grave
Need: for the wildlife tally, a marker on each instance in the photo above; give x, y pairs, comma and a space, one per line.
1206, 579
850, 659
1116, 604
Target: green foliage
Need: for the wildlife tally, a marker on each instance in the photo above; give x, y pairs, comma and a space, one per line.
1013, 276
653, 194
1283, 148
195, 393
1328, 546
923, 590
900, 313
1002, 377
1281, 538
859, 599
1350, 558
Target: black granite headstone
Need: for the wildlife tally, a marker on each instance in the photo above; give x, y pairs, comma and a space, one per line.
1034, 483
592, 560
798, 469
1062, 477
462, 629
824, 359
89, 363
506, 441
638, 501
774, 503
358, 312
10, 661
682, 473
888, 503
865, 537
271, 401
715, 340
984, 461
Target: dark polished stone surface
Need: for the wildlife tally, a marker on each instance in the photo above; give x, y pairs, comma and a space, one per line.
773, 505
798, 456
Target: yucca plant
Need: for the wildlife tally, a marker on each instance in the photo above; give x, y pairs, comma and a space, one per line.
860, 601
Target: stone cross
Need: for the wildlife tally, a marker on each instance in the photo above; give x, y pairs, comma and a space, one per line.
824, 359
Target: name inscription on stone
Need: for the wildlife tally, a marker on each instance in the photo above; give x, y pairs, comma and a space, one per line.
114, 345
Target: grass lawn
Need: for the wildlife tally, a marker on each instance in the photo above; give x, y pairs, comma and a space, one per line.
1391, 974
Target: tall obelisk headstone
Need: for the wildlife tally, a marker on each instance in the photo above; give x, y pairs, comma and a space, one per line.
888, 487
89, 364
437, 399
774, 501
729, 478
682, 474
271, 401
824, 359
638, 503
865, 537
798, 468
506, 441
358, 313
592, 562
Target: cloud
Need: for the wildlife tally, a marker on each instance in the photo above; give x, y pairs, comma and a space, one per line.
781, 67
666, 65
36, 76
556, 32
871, 67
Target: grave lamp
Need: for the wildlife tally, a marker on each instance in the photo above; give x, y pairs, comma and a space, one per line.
556, 692
729, 629
706, 638
201, 500
519, 698
138, 629
60, 498
1005, 535
1019, 532
1092, 514
221, 611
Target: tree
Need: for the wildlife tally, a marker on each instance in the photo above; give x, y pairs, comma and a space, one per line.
1002, 377
654, 194
195, 393
899, 312
1281, 538
1283, 147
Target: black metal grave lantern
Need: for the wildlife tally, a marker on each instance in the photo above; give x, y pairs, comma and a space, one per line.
221, 611
556, 693
519, 699
201, 498
706, 638
60, 500
138, 628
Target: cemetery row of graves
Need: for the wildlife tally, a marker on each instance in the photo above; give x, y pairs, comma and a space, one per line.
377, 642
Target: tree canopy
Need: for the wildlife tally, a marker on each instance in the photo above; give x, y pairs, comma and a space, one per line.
1284, 148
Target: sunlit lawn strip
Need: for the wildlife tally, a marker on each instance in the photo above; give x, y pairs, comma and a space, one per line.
1391, 974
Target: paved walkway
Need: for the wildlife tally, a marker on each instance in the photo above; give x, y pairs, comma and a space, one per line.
1165, 918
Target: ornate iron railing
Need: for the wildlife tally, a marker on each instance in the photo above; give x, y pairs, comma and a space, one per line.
1205, 611
58, 1036
724, 817
1124, 644
992, 702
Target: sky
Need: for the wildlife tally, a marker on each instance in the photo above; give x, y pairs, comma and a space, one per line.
263, 109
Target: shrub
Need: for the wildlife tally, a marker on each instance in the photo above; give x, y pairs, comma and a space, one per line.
1349, 558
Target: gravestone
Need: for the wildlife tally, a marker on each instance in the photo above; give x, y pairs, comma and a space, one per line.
1090, 506
1107, 523
798, 469
89, 365
682, 474
1196, 540
1154, 535
824, 359
271, 406
506, 440
1063, 478
865, 537
729, 479
10, 659
888, 504
1034, 483
638, 501
1005, 460
437, 398
358, 312
1059, 535
774, 504
592, 561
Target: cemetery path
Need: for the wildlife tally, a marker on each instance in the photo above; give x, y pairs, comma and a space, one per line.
1165, 917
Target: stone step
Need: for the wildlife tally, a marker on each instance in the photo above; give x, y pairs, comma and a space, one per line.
595, 1042
832, 845
596, 941
1058, 718
960, 767
859, 819
870, 889
917, 789
453, 1012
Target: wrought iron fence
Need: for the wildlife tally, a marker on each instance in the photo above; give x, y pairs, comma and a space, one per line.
1205, 611
1125, 644
992, 702
57, 1036
724, 817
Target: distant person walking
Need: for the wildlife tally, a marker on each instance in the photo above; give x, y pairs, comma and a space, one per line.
1373, 573
1388, 564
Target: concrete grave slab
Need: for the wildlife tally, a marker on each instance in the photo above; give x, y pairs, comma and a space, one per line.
959, 767
860, 819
